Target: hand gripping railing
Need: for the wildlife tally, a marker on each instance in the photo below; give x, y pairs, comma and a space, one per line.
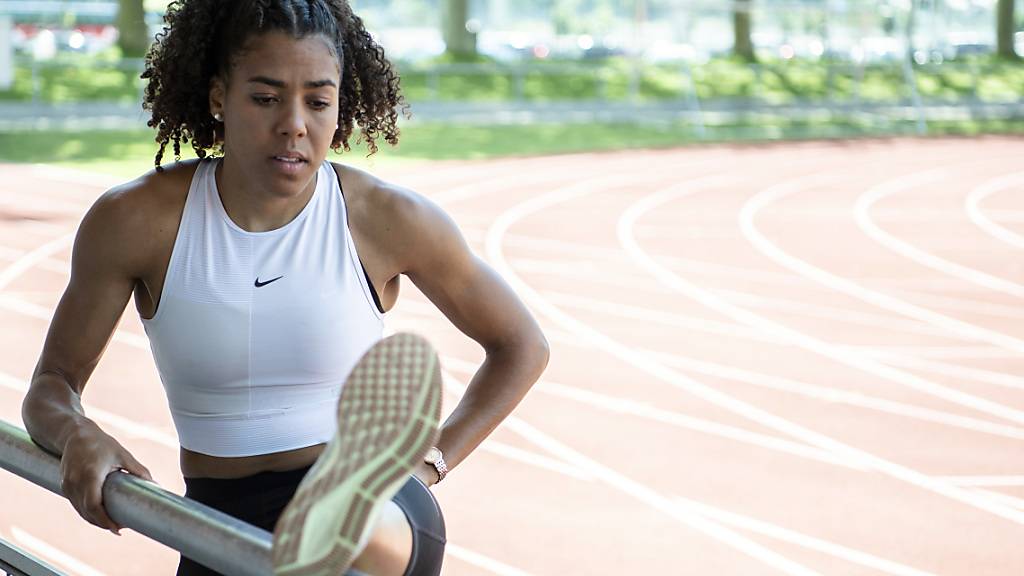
208, 536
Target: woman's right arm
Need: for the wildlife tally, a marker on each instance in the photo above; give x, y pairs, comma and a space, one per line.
105, 264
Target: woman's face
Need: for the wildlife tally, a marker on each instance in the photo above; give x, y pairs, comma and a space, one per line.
280, 110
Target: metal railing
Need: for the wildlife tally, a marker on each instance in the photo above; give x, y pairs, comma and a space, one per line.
208, 536
16, 562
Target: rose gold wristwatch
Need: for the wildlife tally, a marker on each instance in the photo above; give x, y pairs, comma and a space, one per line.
435, 458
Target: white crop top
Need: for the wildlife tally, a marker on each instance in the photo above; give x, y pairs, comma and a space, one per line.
255, 332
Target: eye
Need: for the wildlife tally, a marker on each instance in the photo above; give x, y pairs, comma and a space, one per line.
320, 104
264, 100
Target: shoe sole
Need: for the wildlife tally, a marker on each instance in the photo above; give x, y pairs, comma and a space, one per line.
388, 416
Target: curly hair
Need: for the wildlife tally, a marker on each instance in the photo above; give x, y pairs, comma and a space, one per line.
202, 37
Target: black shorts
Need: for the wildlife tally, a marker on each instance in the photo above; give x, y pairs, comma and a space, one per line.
260, 499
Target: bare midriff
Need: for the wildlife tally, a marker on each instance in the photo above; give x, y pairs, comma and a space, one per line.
196, 465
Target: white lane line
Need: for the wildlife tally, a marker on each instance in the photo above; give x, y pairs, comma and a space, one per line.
833, 313
989, 481
64, 175
981, 220
747, 215
496, 183
537, 460
483, 562
947, 352
691, 290
963, 304
766, 197
833, 395
641, 492
962, 372
32, 257
656, 317
50, 264
596, 272
862, 214
800, 539
132, 428
1015, 216
14, 304
631, 407
821, 393
53, 554
1013, 501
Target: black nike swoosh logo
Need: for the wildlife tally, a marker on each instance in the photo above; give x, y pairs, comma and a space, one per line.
262, 284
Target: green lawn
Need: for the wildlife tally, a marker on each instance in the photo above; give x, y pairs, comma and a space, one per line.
80, 77
130, 153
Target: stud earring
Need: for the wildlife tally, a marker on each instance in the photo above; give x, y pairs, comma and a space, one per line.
218, 117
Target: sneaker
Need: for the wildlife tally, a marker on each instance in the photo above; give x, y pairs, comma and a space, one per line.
388, 417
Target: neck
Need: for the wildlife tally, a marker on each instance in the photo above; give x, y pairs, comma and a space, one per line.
253, 205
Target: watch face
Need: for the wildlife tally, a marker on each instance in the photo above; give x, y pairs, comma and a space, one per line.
433, 455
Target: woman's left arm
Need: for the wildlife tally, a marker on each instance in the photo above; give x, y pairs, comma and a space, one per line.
483, 306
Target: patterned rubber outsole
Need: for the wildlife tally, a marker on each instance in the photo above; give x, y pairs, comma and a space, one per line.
388, 416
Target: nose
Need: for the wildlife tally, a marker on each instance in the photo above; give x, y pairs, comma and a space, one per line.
292, 121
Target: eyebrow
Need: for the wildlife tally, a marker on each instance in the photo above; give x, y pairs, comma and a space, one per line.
282, 84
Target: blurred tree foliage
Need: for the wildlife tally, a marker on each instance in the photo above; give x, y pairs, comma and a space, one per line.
133, 37
460, 42
1006, 26
743, 47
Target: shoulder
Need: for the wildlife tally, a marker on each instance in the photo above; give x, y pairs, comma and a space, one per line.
385, 204
137, 215
404, 221
148, 195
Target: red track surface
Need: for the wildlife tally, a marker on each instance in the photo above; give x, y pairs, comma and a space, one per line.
799, 358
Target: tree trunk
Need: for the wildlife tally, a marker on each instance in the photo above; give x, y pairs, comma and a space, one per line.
742, 46
132, 35
1005, 27
459, 42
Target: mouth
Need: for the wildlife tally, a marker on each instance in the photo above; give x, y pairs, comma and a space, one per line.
290, 158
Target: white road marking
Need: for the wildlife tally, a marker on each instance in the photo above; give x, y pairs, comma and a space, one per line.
769, 195
862, 214
1013, 501
614, 478
536, 460
55, 173
827, 394
483, 562
961, 372
948, 352
132, 428
639, 491
892, 469
974, 212
656, 317
800, 539
985, 480
31, 258
53, 554
629, 406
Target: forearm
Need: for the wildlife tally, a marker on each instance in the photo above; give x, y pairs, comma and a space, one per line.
52, 412
495, 390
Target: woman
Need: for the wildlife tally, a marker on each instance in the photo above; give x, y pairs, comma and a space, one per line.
261, 278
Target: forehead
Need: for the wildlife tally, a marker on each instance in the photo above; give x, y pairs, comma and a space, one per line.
279, 55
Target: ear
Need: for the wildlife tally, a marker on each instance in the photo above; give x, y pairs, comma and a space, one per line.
218, 92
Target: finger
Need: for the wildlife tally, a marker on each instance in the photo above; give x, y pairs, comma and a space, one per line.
132, 466
97, 514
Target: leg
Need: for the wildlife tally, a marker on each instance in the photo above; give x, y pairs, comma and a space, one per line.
390, 547
409, 540
387, 419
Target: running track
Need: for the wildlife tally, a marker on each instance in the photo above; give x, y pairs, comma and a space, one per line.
787, 359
